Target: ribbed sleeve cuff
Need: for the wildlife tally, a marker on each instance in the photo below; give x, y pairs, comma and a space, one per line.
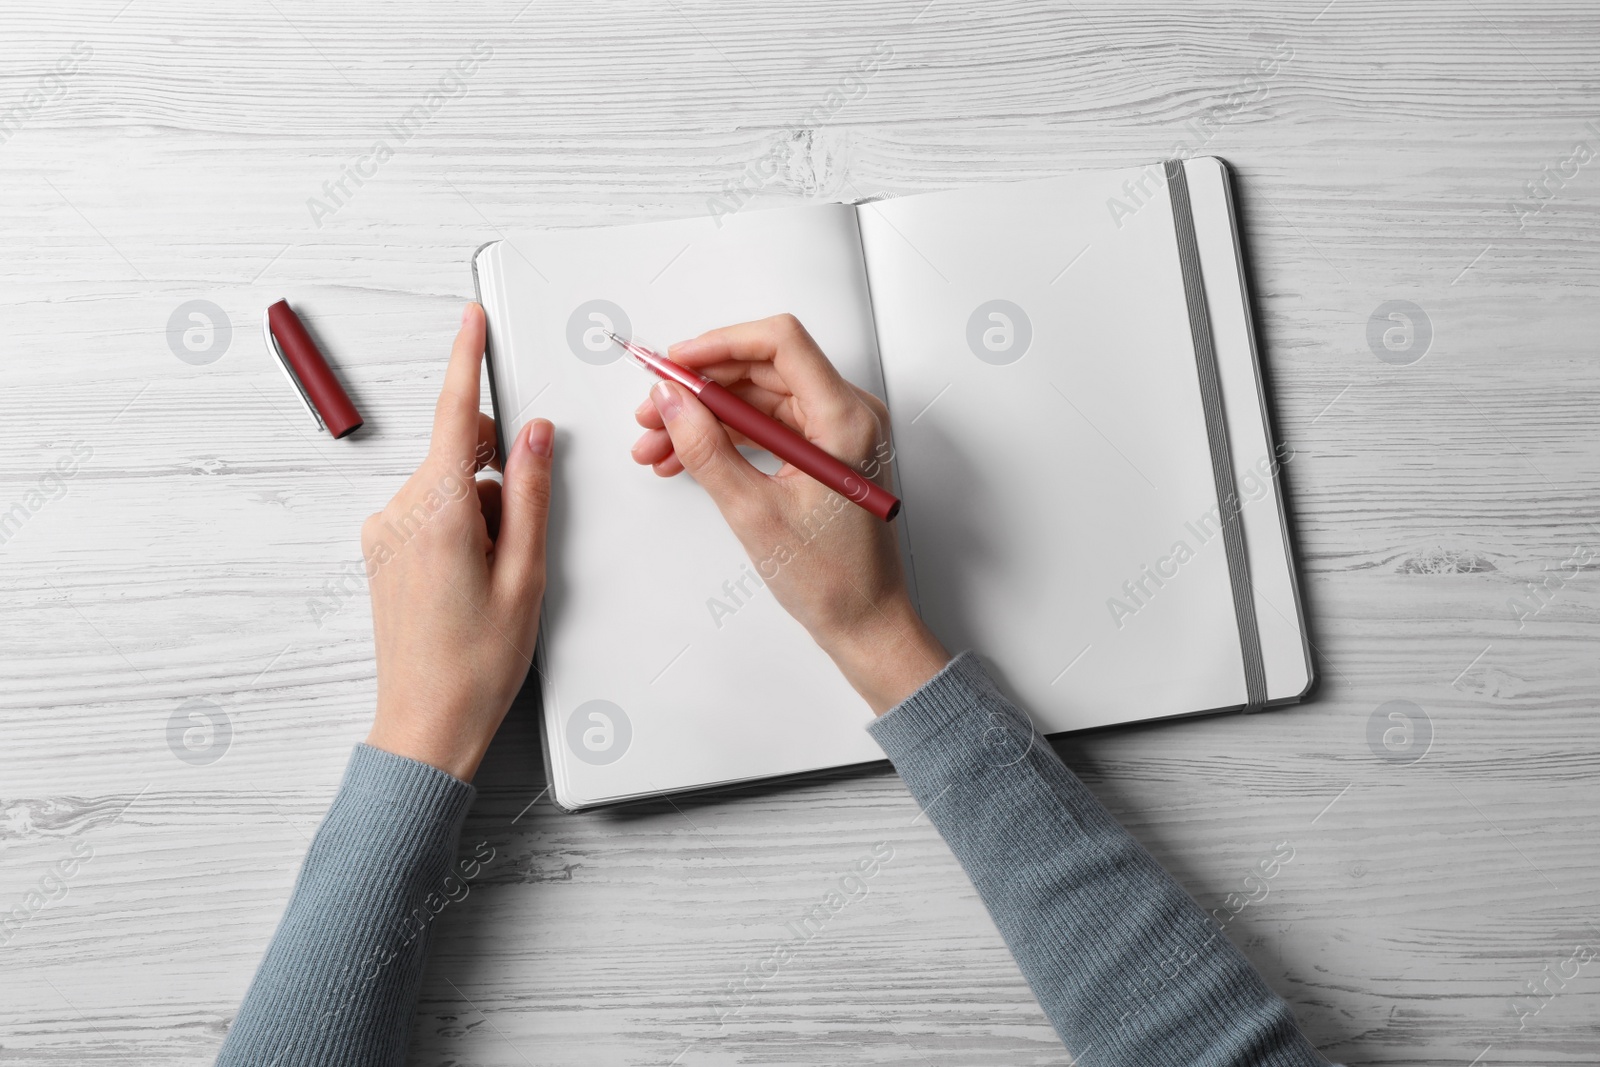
400, 790
943, 705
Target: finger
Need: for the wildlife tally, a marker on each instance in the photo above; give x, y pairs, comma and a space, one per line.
777, 403
455, 417
524, 514
489, 504
785, 344
487, 453
648, 415
702, 446
670, 467
652, 447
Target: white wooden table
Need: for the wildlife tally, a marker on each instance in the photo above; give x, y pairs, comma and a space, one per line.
1386, 160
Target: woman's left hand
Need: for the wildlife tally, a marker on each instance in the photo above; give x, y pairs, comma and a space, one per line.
457, 568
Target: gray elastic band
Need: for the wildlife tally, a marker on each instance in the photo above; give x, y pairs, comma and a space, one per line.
1205, 357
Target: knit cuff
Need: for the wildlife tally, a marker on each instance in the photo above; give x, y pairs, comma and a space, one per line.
404, 792
944, 705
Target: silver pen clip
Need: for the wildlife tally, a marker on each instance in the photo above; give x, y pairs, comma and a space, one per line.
283, 365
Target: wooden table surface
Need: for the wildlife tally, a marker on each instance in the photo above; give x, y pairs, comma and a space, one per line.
180, 521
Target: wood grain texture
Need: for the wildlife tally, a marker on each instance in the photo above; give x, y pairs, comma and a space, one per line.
1384, 160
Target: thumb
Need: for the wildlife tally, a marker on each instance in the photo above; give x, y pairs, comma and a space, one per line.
703, 446
525, 512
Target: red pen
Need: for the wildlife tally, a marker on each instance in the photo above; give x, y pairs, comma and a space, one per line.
769, 433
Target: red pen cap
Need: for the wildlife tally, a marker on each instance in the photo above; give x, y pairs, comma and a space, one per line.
319, 390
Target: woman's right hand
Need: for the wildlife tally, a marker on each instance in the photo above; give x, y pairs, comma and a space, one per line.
833, 566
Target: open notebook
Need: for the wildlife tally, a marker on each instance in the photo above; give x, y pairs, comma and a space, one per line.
1072, 379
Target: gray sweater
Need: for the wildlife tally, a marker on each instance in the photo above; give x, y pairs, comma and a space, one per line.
1125, 964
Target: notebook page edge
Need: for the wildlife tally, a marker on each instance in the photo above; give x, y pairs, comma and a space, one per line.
1277, 593
486, 286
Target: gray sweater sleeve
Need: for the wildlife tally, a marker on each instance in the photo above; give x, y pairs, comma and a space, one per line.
340, 979
1124, 963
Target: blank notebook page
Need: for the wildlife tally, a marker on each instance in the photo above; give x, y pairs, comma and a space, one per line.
635, 558
1035, 488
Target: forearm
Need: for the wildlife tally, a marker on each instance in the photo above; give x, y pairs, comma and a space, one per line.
1124, 963
340, 979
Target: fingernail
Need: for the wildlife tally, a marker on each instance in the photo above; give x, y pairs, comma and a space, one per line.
541, 437
465, 311
666, 400
646, 406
